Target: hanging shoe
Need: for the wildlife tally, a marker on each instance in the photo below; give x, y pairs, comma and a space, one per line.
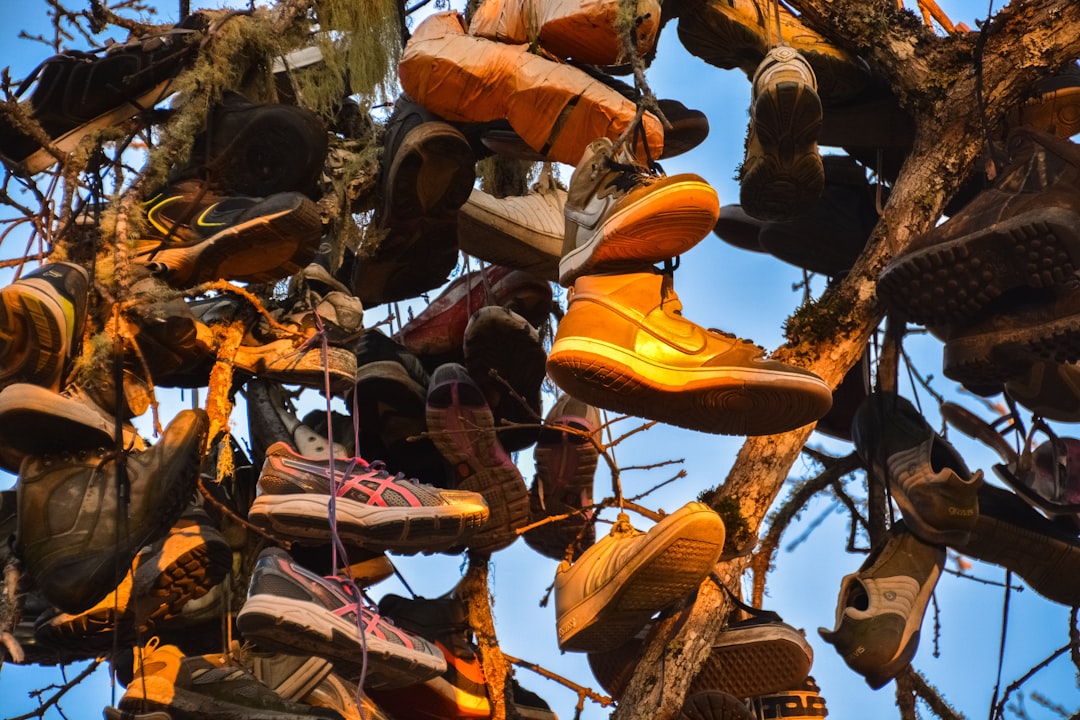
803, 702
880, 610
737, 228
714, 705
271, 419
1048, 389
1048, 478
624, 345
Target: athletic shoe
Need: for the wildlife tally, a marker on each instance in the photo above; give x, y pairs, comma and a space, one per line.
272, 419
782, 175
294, 611
1048, 478
613, 589
625, 346
206, 687
621, 216
801, 703
1048, 389
880, 610
371, 508
42, 316
69, 511
714, 705
196, 235
462, 427
738, 228
929, 480
565, 463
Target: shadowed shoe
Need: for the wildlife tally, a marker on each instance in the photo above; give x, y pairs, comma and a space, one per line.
714, 705
803, 702
1049, 477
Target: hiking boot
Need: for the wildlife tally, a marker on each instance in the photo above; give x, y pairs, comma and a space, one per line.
556, 108
42, 316
524, 232
622, 216
1050, 390
1047, 478
257, 149
606, 354
565, 463
613, 589
291, 610
368, 506
69, 511
927, 477
165, 576
213, 687
739, 33
1011, 534
438, 331
714, 705
462, 427
80, 92
880, 609
782, 175
272, 419
196, 235
736, 227
505, 356
801, 703
1020, 232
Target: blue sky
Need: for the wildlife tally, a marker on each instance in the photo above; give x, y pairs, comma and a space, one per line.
750, 295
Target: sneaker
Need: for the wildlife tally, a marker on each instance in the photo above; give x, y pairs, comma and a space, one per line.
197, 236
165, 576
565, 463
782, 175
272, 419
427, 174
1020, 232
880, 610
802, 703
929, 480
714, 705
848, 397
738, 228
210, 687
693, 378
1048, 478
504, 354
462, 427
371, 508
42, 316
333, 693
613, 589
77, 92
556, 108
438, 331
291, 610
1048, 389
622, 216
71, 551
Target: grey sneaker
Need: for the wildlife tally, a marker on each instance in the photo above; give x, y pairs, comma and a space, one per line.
929, 480
880, 609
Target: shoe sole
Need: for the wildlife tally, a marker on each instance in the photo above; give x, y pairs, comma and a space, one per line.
33, 344
719, 400
406, 530
289, 625
432, 173
714, 705
484, 233
790, 177
37, 421
662, 225
763, 660
951, 281
1002, 355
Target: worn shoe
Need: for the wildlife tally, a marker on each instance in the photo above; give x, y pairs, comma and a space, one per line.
737, 228
1049, 389
291, 610
42, 316
801, 703
565, 461
782, 175
621, 216
613, 589
272, 419
929, 480
165, 576
1048, 477
70, 518
880, 610
624, 345
714, 705
462, 427
1021, 232
1055, 107
196, 235
306, 499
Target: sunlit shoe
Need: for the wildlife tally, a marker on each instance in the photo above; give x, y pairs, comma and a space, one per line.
565, 459
462, 427
306, 499
291, 610
936, 492
880, 610
610, 592
782, 175
803, 702
714, 705
624, 345
557, 109
42, 316
69, 509
620, 216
